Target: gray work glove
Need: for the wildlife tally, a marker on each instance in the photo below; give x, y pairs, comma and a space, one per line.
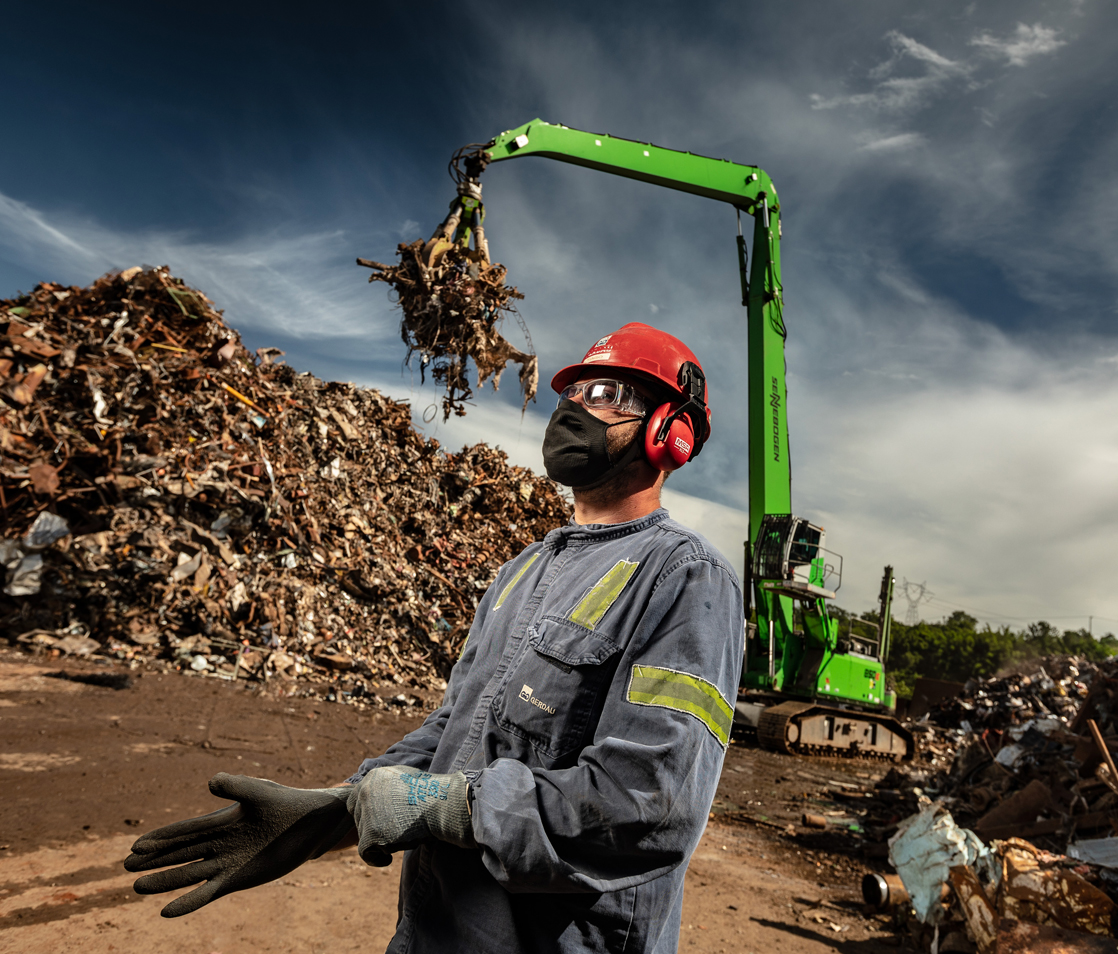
271, 830
398, 807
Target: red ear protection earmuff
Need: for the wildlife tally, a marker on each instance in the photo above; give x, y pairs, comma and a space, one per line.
670, 440
676, 447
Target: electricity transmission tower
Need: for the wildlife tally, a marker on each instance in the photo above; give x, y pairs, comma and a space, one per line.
915, 593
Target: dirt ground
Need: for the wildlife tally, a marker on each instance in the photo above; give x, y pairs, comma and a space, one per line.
84, 770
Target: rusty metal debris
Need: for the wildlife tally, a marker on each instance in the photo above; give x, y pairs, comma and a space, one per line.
1015, 755
1020, 937
452, 298
189, 504
978, 911
1042, 888
1054, 685
1022, 762
1025, 762
883, 891
1012, 880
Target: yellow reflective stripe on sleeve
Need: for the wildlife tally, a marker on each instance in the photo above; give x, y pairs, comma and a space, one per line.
516, 579
683, 692
603, 594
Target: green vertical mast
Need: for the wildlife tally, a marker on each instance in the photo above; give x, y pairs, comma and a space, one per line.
770, 475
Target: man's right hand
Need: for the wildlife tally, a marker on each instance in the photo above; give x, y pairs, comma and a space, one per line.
396, 807
271, 830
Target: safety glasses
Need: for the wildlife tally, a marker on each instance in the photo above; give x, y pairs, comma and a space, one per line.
605, 393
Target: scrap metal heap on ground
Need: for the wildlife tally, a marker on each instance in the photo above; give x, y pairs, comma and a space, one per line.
1018, 755
1003, 831
168, 495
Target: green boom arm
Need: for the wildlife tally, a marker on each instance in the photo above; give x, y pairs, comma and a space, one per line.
741, 186
750, 190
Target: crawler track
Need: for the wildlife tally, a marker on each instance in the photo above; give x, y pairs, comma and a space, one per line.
805, 728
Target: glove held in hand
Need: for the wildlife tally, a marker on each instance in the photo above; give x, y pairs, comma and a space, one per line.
270, 831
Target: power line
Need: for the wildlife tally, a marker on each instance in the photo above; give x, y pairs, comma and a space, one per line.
980, 612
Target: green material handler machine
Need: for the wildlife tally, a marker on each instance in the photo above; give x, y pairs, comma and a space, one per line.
806, 687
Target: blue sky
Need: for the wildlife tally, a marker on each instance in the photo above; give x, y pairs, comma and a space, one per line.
950, 232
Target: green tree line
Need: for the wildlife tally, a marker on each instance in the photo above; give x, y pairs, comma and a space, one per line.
957, 648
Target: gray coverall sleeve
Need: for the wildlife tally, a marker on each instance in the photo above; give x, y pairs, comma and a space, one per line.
417, 748
635, 804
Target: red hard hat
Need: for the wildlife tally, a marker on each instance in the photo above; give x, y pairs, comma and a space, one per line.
649, 353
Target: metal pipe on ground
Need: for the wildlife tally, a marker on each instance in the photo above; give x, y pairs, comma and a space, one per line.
883, 891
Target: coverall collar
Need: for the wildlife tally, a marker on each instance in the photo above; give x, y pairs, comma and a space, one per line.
575, 533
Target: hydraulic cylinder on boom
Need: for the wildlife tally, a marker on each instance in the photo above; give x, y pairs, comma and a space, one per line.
806, 687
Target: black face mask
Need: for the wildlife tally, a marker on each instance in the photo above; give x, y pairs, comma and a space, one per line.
575, 451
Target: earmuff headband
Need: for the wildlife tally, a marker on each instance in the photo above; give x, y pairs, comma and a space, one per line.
692, 382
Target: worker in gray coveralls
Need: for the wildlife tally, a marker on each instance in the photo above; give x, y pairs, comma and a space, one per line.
553, 801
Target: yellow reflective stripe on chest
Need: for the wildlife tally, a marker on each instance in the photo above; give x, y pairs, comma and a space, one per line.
603, 594
683, 692
516, 579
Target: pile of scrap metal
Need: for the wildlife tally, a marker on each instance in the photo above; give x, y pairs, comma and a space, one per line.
996, 898
171, 499
453, 298
1048, 686
1016, 852
1031, 752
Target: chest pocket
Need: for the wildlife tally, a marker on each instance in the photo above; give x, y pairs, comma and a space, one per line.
554, 691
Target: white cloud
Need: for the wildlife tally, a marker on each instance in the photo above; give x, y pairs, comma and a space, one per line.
894, 93
906, 45
279, 281
725, 527
28, 236
915, 75
1001, 498
1023, 44
895, 143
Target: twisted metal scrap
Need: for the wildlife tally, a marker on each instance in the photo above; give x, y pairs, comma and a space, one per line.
129, 410
450, 312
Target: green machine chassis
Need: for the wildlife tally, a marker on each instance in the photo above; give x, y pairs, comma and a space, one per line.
799, 676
